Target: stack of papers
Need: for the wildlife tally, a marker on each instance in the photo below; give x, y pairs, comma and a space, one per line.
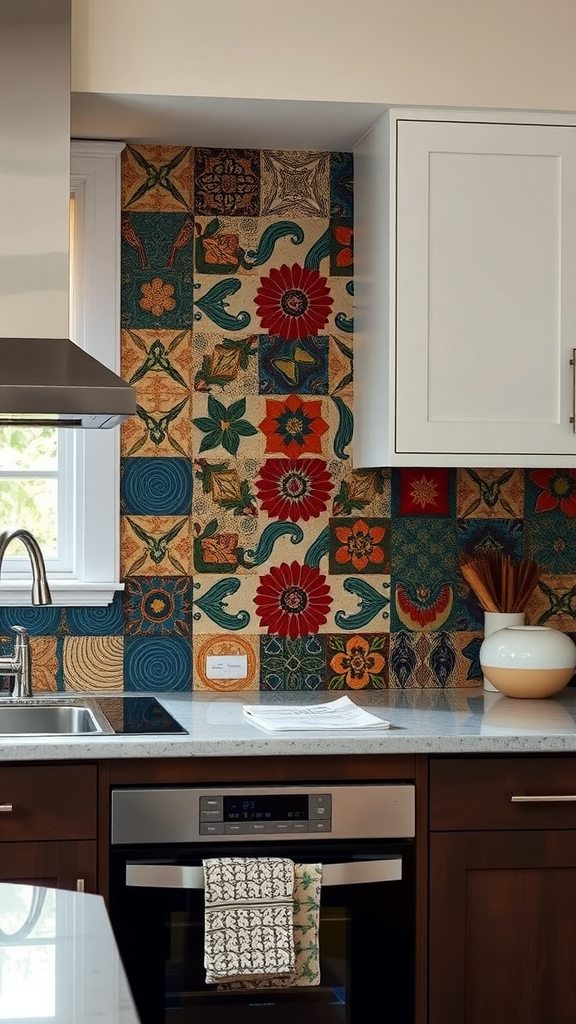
337, 714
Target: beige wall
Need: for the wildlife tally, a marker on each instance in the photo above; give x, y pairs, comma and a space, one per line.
487, 53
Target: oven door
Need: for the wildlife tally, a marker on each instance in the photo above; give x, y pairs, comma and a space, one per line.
366, 936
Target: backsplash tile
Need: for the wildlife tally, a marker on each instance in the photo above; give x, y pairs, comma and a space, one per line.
244, 529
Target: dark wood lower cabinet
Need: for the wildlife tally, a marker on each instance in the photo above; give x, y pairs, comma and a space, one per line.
61, 865
502, 927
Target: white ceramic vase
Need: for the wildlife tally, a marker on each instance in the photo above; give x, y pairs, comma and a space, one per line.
528, 661
494, 621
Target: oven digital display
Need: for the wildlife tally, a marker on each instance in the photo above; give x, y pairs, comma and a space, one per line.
285, 807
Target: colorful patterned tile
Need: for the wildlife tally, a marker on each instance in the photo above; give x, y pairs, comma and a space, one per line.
551, 541
293, 663
225, 366
424, 549
424, 607
553, 603
295, 426
157, 271
358, 662
340, 367
93, 663
468, 645
227, 245
227, 182
158, 605
423, 492
342, 185
359, 604
293, 366
38, 620
226, 305
157, 178
294, 299
490, 493
360, 545
341, 319
154, 663
95, 621
155, 545
225, 604
157, 363
156, 487
294, 183
342, 247
44, 653
424, 661
477, 535
297, 490
548, 490
365, 491
225, 487
223, 645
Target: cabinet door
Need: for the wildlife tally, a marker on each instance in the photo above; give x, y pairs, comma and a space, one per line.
502, 928
59, 865
485, 296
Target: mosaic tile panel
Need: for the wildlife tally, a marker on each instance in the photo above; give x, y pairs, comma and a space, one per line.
244, 528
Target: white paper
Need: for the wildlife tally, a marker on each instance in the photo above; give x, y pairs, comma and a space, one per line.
337, 714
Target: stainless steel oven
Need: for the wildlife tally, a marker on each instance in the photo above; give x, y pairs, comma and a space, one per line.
362, 834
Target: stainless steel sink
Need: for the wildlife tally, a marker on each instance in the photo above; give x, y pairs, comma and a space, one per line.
36, 719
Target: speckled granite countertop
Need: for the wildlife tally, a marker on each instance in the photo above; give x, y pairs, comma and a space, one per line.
421, 721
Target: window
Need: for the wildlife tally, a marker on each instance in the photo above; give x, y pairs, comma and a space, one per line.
81, 542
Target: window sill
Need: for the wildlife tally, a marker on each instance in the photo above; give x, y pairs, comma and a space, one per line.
65, 593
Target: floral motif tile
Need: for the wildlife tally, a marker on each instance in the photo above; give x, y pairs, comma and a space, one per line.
292, 663
551, 541
341, 247
424, 549
551, 490
155, 545
358, 661
93, 663
153, 663
365, 492
158, 605
157, 270
490, 493
295, 183
423, 492
157, 178
227, 182
423, 606
224, 366
477, 535
224, 604
359, 545
227, 645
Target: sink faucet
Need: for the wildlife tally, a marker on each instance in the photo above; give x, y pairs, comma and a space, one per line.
18, 663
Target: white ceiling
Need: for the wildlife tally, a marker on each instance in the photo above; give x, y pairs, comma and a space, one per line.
215, 122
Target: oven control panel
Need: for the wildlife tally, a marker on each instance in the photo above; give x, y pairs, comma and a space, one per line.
268, 814
191, 814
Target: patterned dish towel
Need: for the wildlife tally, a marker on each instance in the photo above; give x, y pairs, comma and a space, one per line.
307, 890
248, 911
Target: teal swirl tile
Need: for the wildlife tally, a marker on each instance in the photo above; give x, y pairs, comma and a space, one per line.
106, 621
157, 663
156, 486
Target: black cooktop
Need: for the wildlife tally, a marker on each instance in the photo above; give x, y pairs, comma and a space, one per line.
136, 715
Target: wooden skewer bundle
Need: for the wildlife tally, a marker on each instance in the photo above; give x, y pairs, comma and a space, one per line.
501, 584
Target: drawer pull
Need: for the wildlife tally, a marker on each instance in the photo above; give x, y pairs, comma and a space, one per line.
556, 798
5, 808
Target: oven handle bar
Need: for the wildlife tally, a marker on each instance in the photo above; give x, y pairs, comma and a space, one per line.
187, 876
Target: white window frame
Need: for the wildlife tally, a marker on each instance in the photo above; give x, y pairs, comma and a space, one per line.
94, 579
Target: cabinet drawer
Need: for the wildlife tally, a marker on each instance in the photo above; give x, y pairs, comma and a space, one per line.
481, 793
50, 802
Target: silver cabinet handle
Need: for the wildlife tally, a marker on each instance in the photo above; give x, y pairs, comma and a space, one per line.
79, 885
552, 798
178, 876
6, 808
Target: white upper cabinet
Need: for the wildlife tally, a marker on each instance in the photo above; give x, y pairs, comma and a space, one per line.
466, 292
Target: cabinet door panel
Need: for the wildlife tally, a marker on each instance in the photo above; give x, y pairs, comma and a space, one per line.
48, 802
485, 308
502, 927
65, 865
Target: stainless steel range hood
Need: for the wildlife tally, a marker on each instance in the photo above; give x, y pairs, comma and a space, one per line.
44, 376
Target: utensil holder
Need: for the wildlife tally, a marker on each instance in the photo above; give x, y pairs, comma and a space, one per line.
498, 620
